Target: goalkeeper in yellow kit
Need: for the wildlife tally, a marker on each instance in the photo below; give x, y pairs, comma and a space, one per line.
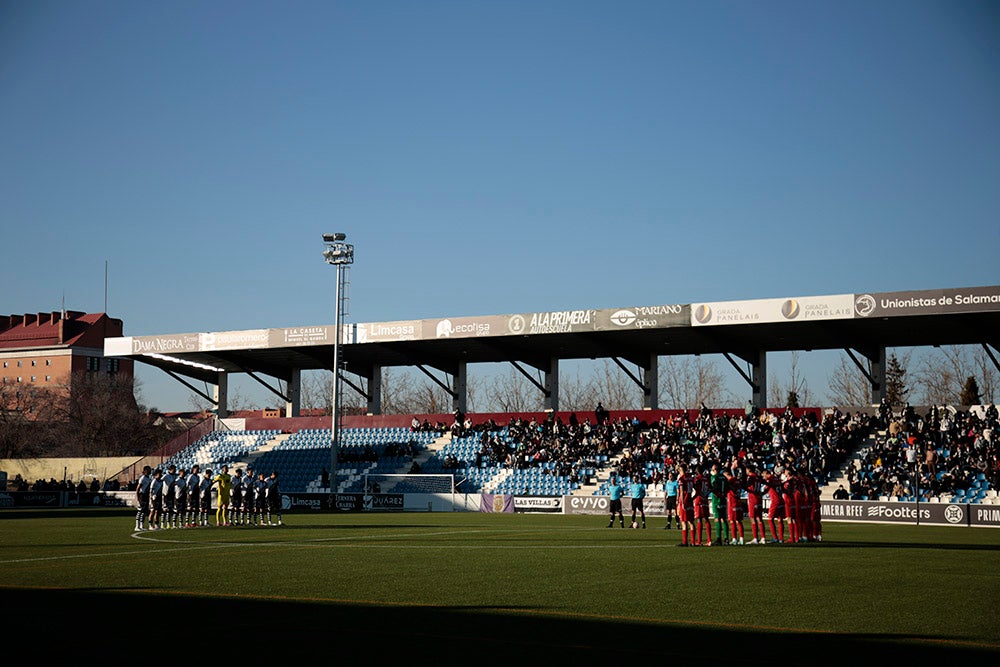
225, 483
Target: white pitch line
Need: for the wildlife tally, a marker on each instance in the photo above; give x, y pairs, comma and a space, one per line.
342, 542
113, 553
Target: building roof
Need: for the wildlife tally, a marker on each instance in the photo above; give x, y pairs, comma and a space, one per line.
57, 329
953, 316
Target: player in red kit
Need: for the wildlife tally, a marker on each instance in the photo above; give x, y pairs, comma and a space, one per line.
702, 514
777, 507
804, 504
734, 507
685, 506
788, 487
815, 533
754, 484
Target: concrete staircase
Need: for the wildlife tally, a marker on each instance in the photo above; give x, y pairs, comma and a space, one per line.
251, 459
600, 477
431, 450
842, 476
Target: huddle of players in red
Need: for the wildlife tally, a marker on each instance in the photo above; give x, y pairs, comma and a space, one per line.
793, 502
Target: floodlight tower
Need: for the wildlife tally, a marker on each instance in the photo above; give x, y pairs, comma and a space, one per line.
340, 254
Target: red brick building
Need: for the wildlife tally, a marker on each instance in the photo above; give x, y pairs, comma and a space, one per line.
49, 350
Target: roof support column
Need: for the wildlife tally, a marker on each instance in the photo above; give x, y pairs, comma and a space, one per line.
293, 401
375, 390
875, 371
877, 364
551, 391
460, 389
651, 389
756, 378
758, 374
220, 395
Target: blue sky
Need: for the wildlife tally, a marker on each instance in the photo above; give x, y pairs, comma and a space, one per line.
489, 157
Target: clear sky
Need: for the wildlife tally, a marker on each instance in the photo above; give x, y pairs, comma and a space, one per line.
489, 157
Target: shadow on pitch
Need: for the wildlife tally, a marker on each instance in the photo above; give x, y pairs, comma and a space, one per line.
334, 632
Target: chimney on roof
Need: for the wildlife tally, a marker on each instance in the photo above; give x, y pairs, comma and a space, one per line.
44, 318
56, 316
15, 320
30, 318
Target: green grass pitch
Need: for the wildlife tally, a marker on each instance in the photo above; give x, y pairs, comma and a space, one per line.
470, 587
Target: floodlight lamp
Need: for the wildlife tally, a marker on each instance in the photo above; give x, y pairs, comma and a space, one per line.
339, 253
337, 236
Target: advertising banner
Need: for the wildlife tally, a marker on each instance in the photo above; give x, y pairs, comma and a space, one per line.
464, 327
382, 332
233, 340
586, 505
653, 505
562, 321
496, 502
162, 344
315, 502
984, 515
299, 336
538, 504
368, 502
862, 511
383, 502
927, 302
32, 499
555, 321
761, 311
101, 499
642, 317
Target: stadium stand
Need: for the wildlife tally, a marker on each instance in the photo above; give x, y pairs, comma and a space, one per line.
302, 456
957, 452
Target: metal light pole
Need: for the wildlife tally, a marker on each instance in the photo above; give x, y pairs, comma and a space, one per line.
341, 255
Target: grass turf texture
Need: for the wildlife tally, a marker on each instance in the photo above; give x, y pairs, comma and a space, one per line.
469, 586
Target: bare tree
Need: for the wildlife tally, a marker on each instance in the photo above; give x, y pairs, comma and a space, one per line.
512, 392
475, 387
986, 373
941, 374
431, 398
316, 391
235, 401
23, 422
848, 386
687, 382
402, 393
576, 393
780, 394
100, 417
397, 392
615, 389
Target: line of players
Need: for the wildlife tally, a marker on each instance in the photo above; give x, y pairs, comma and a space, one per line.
179, 499
715, 495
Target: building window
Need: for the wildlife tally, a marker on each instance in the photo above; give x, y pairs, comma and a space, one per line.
112, 366
32, 378
48, 362
33, 362
93, 364
18, 378
5, 364
18, 364
48, 378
